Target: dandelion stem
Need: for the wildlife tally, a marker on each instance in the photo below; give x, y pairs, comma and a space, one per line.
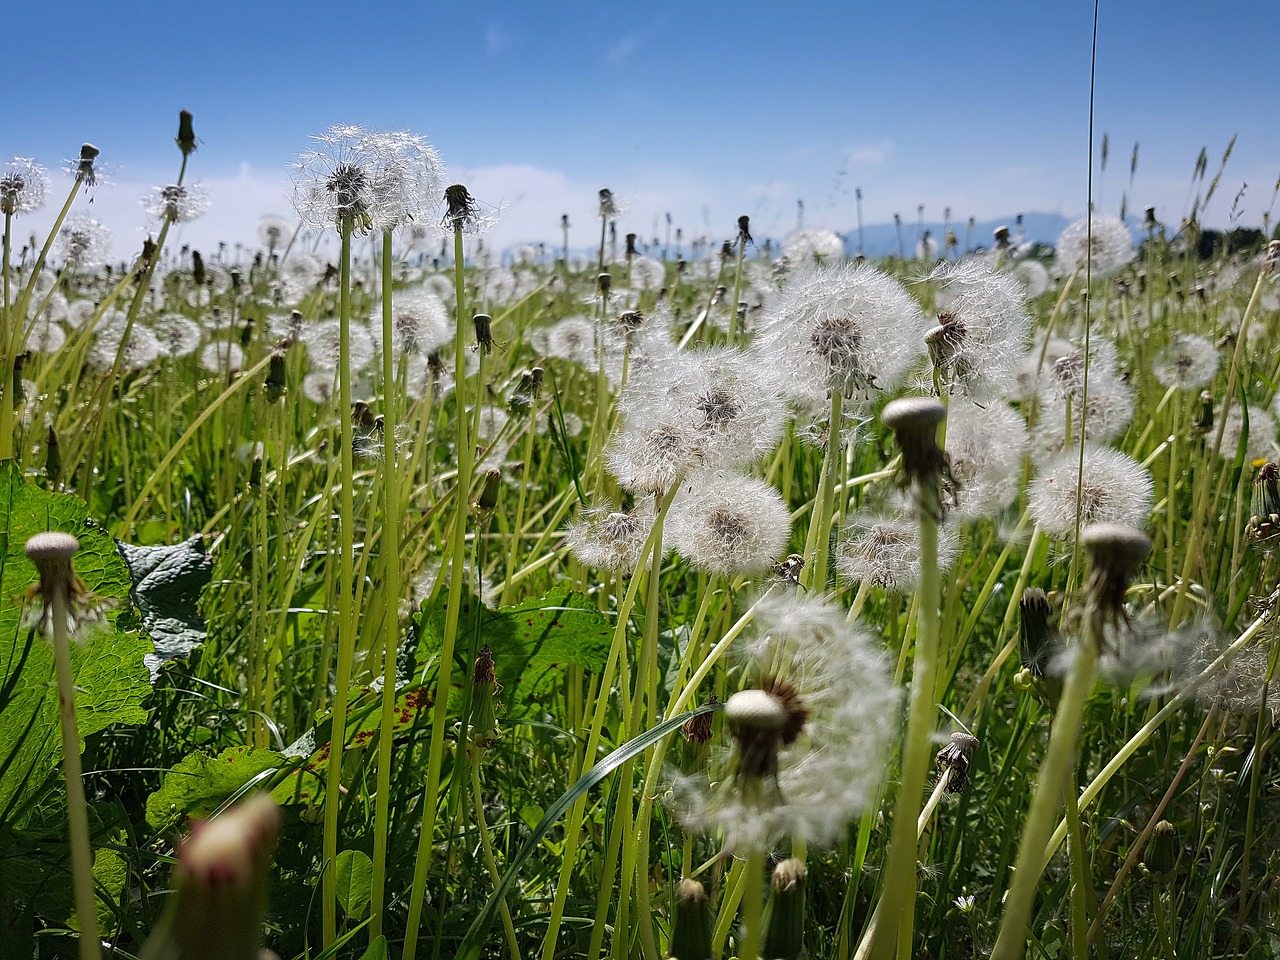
391, 617
77, 809
346, 606
753, 905
1054, 774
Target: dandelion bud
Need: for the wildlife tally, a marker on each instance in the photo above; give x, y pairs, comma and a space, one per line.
461, 207
1117, 552
197, 268
956, 757
1162, 852
220, 887
691, 927
631, 245
1149, 221
696, 738
604, 282
484, 332
52, 459
784, 934
915, 422
744, 230
487, 501
1038, 644
484, 733
1001, 235
186, 139
1264, 522
276, 383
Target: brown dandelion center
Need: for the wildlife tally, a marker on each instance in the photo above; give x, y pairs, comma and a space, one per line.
836, 338
347, 183
718, 408
728, 526
620, 526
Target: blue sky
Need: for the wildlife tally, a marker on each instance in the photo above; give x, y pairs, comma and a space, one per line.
704, 110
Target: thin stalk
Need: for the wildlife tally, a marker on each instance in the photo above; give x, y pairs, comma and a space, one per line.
491, 863
753, 906
1054, 775
77, 810
391, 590
346, 607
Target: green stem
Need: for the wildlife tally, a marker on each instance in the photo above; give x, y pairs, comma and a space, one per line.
753, 906
77, 809
346, 608
1055, 772
391, 590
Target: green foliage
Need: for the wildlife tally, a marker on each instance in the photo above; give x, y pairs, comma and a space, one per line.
167, 581
532, 643
355, 882
110, 678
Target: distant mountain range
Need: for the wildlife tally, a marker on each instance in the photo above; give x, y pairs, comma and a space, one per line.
881, 239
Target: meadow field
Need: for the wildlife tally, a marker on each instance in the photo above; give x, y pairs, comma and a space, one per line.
375, 592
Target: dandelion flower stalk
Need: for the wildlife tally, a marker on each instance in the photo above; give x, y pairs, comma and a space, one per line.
916, 422
391, 585
52, 553
1117, 553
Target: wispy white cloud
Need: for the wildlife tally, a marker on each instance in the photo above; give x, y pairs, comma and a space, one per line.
623, 49
870, 153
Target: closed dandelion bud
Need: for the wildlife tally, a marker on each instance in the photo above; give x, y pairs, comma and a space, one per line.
1203, 421
487, 501
484, 732
784, 931
186, 139
52, 458
1264, 520
237, 279
484, 332
276, 381
744, 230
1117, 553
1161, 858
1038, 644
691, 927
220, 885
631, 245
956, 757
695, 737
604, 282
197, 268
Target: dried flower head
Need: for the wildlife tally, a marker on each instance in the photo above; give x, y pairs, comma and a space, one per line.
1117, 552
981, 334
608, 539
956, 757
176, 203
1109, 246
59, 587
1189, 362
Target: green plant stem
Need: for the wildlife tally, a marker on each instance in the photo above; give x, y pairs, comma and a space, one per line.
753, 906
90, 942
818, 542
346, 607
457, 576
899, 890
391, 590
1081, 895
491, 862
1054, 774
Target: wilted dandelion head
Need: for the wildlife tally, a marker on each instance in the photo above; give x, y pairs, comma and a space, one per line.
176, 203
58, 586
1112, 488
728, 523
22, 186
811, 732
884, 551
1109, 248
1189, 362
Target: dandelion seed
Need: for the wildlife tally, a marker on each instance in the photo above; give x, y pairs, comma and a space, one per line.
177, 334
83, 244
808, 246
275, 232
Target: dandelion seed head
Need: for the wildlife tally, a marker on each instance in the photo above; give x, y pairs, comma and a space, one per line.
1115, 489
810, 245
985, 445
1110, 248
83, 244
884, 551
23, 183
1189, 362
1260, 441
607, 539
573, 338
729, 523
981, 334
176, 203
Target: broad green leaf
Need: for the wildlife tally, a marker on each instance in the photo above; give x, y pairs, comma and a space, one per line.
532, 643
200, 783
111, 680
354, 871
167, 581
